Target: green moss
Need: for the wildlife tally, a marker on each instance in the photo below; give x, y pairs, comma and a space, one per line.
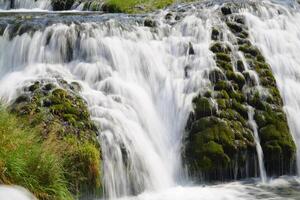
216, 75
224, 65
28, 162
223, 57
133, 6
211, 141
222, 103
236, 28
223, 85
59, 114
202, 107
215, 34
220, 48
221, 94
248, 49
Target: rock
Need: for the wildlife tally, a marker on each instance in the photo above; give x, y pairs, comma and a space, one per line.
22, 98
186, 71
203, 107
226, 10
49, 87
235, 28
150, 23
216, 75
110, 8
168, 16
240, 66
191, 49
34, 87
215, 34
62, 4
62, 117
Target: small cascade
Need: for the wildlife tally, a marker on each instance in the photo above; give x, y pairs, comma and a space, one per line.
260, 154
140, 81
25, 4
276, 32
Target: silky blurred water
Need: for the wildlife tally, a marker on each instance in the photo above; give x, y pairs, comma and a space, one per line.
139, 83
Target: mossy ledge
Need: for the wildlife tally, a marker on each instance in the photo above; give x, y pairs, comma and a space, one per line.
220, 144
59, 123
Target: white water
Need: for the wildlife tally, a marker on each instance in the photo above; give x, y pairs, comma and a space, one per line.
260, 154
134, 82
15, 193
26, 4
278, 36
135, 85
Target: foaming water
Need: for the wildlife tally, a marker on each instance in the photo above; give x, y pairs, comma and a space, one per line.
135, 83
260, 155
25, 4
15, 193
276, 31
139, 83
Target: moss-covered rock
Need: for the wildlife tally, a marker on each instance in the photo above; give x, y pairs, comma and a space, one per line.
62, 4
218, 143
62, 117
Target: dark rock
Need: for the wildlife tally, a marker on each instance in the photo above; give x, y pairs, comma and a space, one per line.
240, 20
22, 98
110, 8
240, 66
191, 49
49, 87
168, 16
215, 34
62, 4
186, 71
216, 75
235, 28
34, 87
150, 23
226, 10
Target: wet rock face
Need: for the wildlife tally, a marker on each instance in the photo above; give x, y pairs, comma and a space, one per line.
47, 104
220, 143
62, 4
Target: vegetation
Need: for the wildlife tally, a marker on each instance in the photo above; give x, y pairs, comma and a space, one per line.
219, 132
116, 6
54, 153
27, 161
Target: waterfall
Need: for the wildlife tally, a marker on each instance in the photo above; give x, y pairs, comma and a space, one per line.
26, 4
260, 154
276, 31
139, 83
134, 82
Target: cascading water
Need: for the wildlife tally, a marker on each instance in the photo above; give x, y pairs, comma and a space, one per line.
135, 85
139, 83
260, 154
276, 32
26, 4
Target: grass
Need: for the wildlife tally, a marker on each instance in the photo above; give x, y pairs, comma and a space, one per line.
139, 6
27, 161
51, 168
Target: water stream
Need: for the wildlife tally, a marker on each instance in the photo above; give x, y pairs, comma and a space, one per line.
139, 92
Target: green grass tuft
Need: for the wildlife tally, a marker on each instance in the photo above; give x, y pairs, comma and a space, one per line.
25, 160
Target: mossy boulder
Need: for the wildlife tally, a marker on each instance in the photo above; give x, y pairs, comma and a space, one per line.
62, 4
221, 142
62, 117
